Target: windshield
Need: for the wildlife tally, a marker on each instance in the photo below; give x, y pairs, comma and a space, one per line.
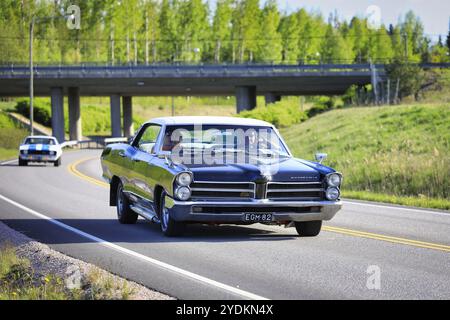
39, 141
224, 140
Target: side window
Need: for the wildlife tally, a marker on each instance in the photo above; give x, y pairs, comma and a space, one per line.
148, 138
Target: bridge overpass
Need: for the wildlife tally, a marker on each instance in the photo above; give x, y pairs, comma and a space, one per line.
124, 82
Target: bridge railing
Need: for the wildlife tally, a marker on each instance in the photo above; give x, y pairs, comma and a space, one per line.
179, 70
95, 143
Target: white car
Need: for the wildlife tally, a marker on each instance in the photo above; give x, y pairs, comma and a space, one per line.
40, 149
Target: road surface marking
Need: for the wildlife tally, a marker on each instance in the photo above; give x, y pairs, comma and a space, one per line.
350, 232
8, 162
415, 243
73, 169
137, 255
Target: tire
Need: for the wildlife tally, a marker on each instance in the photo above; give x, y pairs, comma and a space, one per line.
57, 163
22, 163
124, 213
169, 227
308, 228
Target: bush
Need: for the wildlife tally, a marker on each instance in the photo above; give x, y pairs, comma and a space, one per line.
41, 111
281, 114
323, 104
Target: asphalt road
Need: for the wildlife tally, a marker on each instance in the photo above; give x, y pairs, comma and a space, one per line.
67, 208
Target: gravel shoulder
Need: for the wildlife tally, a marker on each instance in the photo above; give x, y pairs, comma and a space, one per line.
46, 261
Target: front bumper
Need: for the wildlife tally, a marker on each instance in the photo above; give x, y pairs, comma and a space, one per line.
38, 157
234, 212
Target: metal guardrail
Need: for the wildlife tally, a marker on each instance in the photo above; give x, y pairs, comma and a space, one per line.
92, 144
180, 70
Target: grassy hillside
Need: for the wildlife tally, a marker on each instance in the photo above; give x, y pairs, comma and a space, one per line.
11, 135
396, 154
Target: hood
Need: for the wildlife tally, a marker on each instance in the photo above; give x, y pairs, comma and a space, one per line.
283, 170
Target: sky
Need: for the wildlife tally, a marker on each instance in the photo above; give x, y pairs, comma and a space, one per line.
435, 14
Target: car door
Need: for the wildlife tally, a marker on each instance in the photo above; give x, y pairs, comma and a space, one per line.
142, 161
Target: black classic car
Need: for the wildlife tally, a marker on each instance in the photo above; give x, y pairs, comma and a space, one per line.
217, 170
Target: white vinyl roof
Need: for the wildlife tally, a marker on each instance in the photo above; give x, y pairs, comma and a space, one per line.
183, 120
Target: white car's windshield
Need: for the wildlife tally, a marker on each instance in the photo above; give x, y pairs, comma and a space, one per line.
224, 138
39, 141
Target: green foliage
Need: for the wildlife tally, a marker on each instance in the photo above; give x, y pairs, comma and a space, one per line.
324, 104
136, 31
11, 135
281, 114
398, 151
19, 281
41, 111
411, 77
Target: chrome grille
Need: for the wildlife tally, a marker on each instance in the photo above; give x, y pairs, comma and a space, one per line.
236, 190
295, 190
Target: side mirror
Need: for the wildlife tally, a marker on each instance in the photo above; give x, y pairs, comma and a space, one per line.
165, 155
130, 140
320, 157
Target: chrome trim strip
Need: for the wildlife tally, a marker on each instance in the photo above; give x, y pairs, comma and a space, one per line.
292, 182
262, 202
295, 190
222, 190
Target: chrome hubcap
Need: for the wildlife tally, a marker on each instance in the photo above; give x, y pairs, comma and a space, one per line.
120, 201
164, 214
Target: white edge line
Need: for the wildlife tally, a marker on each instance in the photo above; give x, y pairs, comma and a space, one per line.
8, 162
394, 207
137, 255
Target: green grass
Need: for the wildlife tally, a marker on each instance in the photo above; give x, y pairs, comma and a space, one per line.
395, 154
18, 281
11, 135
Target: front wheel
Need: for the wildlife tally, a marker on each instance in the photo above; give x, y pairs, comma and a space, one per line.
57, 163
169, 227
22, 163
308, 228
124, 213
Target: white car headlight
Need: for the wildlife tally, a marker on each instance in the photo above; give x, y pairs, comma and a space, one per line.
184, 179
332, 193
183, 193
334, 179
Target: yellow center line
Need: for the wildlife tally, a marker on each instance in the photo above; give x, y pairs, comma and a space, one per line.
375, 236
355, 233
73, 169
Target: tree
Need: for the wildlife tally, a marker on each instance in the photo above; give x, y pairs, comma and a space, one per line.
410, 76
193, 27
289, 31
270, 45
222, 28
334, 47
359, 39
246, 24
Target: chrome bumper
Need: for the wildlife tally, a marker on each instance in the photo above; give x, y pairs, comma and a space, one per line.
320, 210
38, 158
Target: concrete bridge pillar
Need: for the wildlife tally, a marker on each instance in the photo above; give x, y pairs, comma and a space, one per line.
127, 106
245, 98
272, 98
116, 130
74, 114
57, 105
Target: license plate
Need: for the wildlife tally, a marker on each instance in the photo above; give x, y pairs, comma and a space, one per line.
258, 217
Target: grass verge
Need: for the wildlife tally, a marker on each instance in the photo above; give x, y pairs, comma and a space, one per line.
396, 154
18, 281
422, 202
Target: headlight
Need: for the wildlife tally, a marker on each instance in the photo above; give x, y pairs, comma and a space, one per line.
332, 193
334, 179
183, 193
184, 179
